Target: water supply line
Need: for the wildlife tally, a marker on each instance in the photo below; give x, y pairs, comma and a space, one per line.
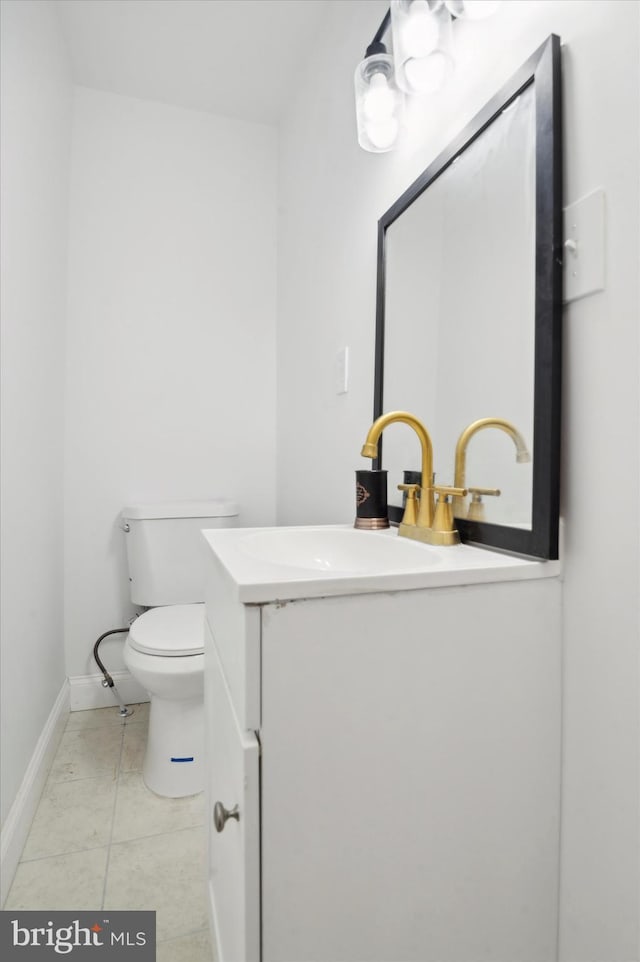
107, 679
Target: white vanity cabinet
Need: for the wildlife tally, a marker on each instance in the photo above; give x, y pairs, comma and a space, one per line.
395, 762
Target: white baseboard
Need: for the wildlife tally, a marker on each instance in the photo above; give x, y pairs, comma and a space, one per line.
87, 691
16, 827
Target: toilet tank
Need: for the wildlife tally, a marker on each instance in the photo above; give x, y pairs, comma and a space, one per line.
166, 551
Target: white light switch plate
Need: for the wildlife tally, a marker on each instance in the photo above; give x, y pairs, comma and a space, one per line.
583, 250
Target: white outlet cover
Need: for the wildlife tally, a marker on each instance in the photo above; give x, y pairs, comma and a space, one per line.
584, 245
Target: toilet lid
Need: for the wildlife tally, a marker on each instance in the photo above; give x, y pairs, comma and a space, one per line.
173, 630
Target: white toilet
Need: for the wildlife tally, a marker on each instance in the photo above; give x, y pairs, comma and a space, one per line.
164, 647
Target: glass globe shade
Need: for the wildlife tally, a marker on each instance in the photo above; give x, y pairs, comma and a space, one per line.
429, 74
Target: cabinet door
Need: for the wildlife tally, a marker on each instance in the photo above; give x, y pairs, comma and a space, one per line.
410, 790
233, 857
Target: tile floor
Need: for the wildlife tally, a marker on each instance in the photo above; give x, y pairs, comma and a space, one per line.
101, 840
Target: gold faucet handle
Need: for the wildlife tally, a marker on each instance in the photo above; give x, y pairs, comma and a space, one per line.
411, 507
480, 492
443, 530
444, 492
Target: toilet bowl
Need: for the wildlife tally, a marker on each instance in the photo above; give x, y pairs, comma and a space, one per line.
164, 652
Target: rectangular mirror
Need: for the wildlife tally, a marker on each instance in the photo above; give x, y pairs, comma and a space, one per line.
468, 328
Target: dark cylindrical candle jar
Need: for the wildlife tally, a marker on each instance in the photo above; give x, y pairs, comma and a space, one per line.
371, 500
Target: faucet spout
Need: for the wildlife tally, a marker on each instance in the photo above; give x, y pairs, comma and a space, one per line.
370, 450
522, 454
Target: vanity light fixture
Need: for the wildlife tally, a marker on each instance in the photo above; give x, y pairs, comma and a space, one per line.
422, 62
422, 45
379, 102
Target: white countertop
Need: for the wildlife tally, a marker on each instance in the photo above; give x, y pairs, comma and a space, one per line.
248, 556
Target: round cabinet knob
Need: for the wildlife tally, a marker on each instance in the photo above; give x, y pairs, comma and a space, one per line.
222, 814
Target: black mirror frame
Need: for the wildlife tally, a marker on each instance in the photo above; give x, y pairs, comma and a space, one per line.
543, 70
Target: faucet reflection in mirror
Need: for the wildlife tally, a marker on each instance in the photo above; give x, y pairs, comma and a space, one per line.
476, 512
422, 521
476, 508
422, 63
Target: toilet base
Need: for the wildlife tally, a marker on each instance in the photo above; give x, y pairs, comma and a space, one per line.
173, 763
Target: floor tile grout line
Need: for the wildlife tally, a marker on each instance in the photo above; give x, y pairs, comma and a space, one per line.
112, 726
101, 727
81, 778
75, 851
113, 816
171, 831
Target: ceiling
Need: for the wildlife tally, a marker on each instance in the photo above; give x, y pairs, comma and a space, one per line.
239, 58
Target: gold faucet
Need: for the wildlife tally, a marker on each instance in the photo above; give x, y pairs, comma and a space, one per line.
522, 454
424, 517
420, 522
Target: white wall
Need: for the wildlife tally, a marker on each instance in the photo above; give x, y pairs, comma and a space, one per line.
171, 335
331, 195
36, 130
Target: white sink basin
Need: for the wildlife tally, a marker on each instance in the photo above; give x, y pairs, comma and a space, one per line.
262, 565
340, 550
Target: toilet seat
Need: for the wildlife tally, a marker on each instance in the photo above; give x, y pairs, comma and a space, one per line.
170, 631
